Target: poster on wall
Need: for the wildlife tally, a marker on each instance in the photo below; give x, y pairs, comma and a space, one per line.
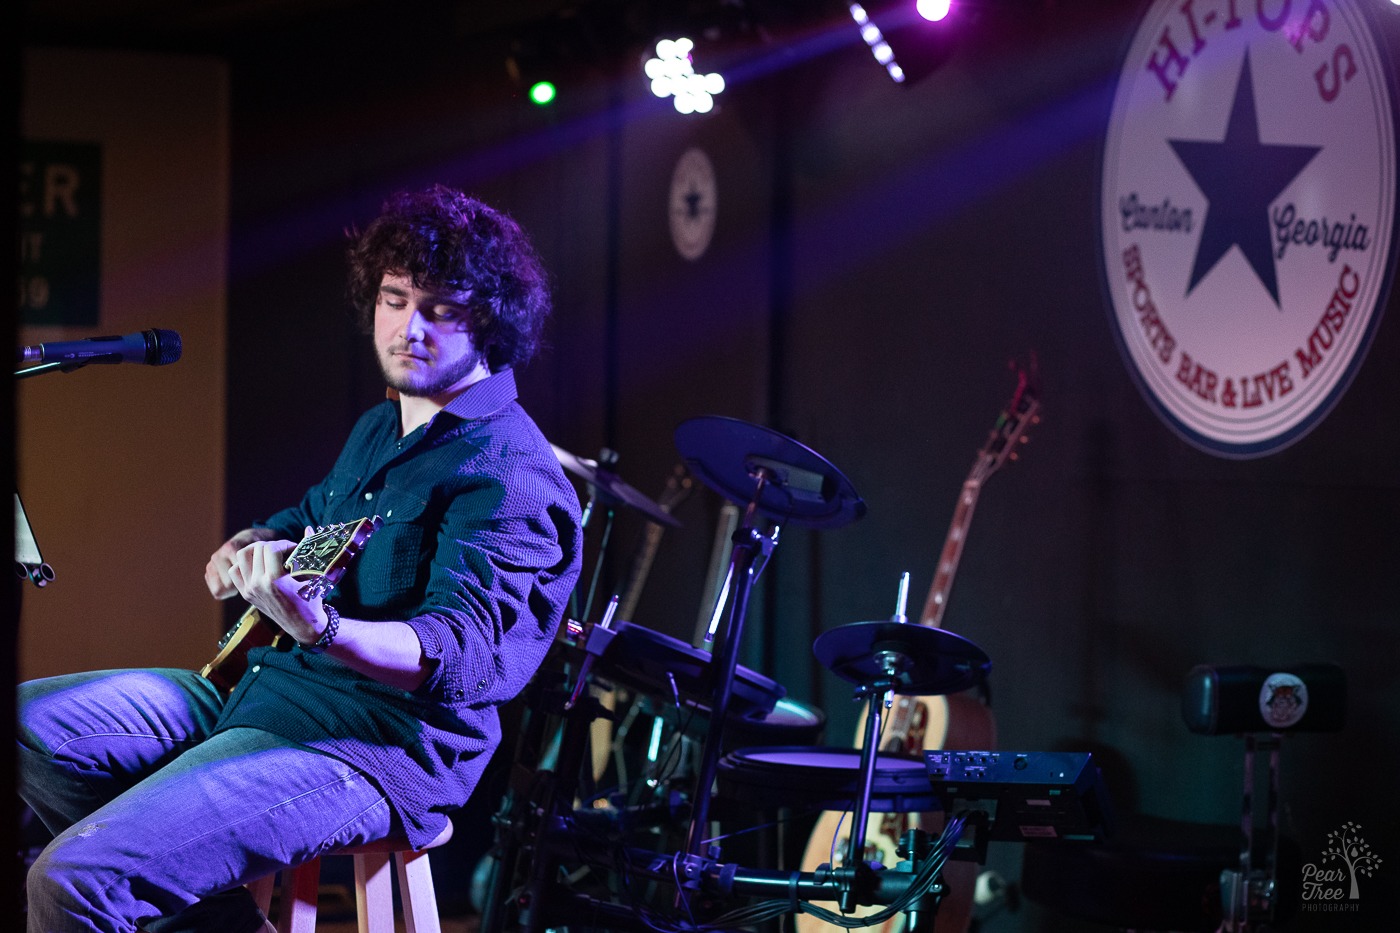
60, 218
693, 204
1247, 213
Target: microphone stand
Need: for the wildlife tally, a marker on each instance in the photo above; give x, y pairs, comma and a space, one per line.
64, 366
29, 563
36, 571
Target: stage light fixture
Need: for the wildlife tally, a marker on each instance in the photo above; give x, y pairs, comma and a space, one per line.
934, 10
876, 40
542, 93
909, 38
671, 73
540, 62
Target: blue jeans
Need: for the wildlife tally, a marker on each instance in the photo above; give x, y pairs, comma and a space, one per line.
158, 823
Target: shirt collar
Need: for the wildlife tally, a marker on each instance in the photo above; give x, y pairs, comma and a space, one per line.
484, 398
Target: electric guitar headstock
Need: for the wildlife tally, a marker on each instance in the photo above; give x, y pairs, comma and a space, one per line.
322, 557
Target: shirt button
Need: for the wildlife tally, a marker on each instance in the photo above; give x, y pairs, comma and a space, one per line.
481, 684
256, 668
369, 496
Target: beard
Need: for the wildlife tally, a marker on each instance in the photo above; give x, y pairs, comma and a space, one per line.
430, 381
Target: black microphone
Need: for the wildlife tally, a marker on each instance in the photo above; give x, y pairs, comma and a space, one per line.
152, 347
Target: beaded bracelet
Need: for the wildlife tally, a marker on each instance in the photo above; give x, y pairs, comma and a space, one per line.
327, 634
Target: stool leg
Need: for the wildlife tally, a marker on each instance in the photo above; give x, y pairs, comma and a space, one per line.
420, 913
299, 898
262, 891
374, 893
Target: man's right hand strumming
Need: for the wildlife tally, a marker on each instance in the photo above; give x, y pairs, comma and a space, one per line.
216, 571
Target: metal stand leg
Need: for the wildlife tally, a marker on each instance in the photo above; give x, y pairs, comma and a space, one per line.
1248, 893
855, 851
748, 546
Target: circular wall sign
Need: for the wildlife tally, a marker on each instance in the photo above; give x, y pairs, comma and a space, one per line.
1247, 213
1283, 700
693, 204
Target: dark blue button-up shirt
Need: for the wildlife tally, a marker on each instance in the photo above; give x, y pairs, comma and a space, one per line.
478, 553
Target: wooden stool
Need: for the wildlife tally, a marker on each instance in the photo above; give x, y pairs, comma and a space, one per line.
374, 893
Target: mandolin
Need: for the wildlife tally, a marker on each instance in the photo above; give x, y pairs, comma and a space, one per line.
321, 559
915, 724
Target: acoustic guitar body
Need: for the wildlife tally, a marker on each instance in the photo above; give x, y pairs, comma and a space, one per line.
959, 721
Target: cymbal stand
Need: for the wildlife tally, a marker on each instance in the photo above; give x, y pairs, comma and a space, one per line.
914, 887
607, 461
528, 797
747, 559
544, 787
545, 831
878, 693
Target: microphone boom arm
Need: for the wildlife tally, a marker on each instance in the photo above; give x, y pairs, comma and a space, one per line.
62, 366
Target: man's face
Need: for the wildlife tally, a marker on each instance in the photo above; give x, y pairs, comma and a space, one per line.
422, 341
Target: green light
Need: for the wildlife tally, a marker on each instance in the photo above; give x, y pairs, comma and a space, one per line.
542, 93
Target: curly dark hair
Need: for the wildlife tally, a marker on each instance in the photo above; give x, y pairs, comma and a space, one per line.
443, 239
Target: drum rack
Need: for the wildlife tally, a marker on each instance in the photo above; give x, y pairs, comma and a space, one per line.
563, 858
558, 864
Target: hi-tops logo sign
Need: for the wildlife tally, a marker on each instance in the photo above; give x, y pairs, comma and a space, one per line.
1248, 210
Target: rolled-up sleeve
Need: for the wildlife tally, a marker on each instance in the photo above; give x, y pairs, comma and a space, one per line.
505, 561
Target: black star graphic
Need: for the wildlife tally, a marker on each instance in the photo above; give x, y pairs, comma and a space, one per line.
1240, 177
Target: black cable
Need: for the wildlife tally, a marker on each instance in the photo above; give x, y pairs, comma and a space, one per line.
751, 914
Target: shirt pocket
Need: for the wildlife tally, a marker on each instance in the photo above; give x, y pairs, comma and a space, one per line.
393, 571
340, 504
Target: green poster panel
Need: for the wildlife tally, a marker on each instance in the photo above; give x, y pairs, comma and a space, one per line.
60, 225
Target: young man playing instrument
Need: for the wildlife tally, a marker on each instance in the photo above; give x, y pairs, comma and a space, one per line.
165, 793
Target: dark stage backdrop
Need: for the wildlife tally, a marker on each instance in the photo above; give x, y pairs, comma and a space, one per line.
879, 256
